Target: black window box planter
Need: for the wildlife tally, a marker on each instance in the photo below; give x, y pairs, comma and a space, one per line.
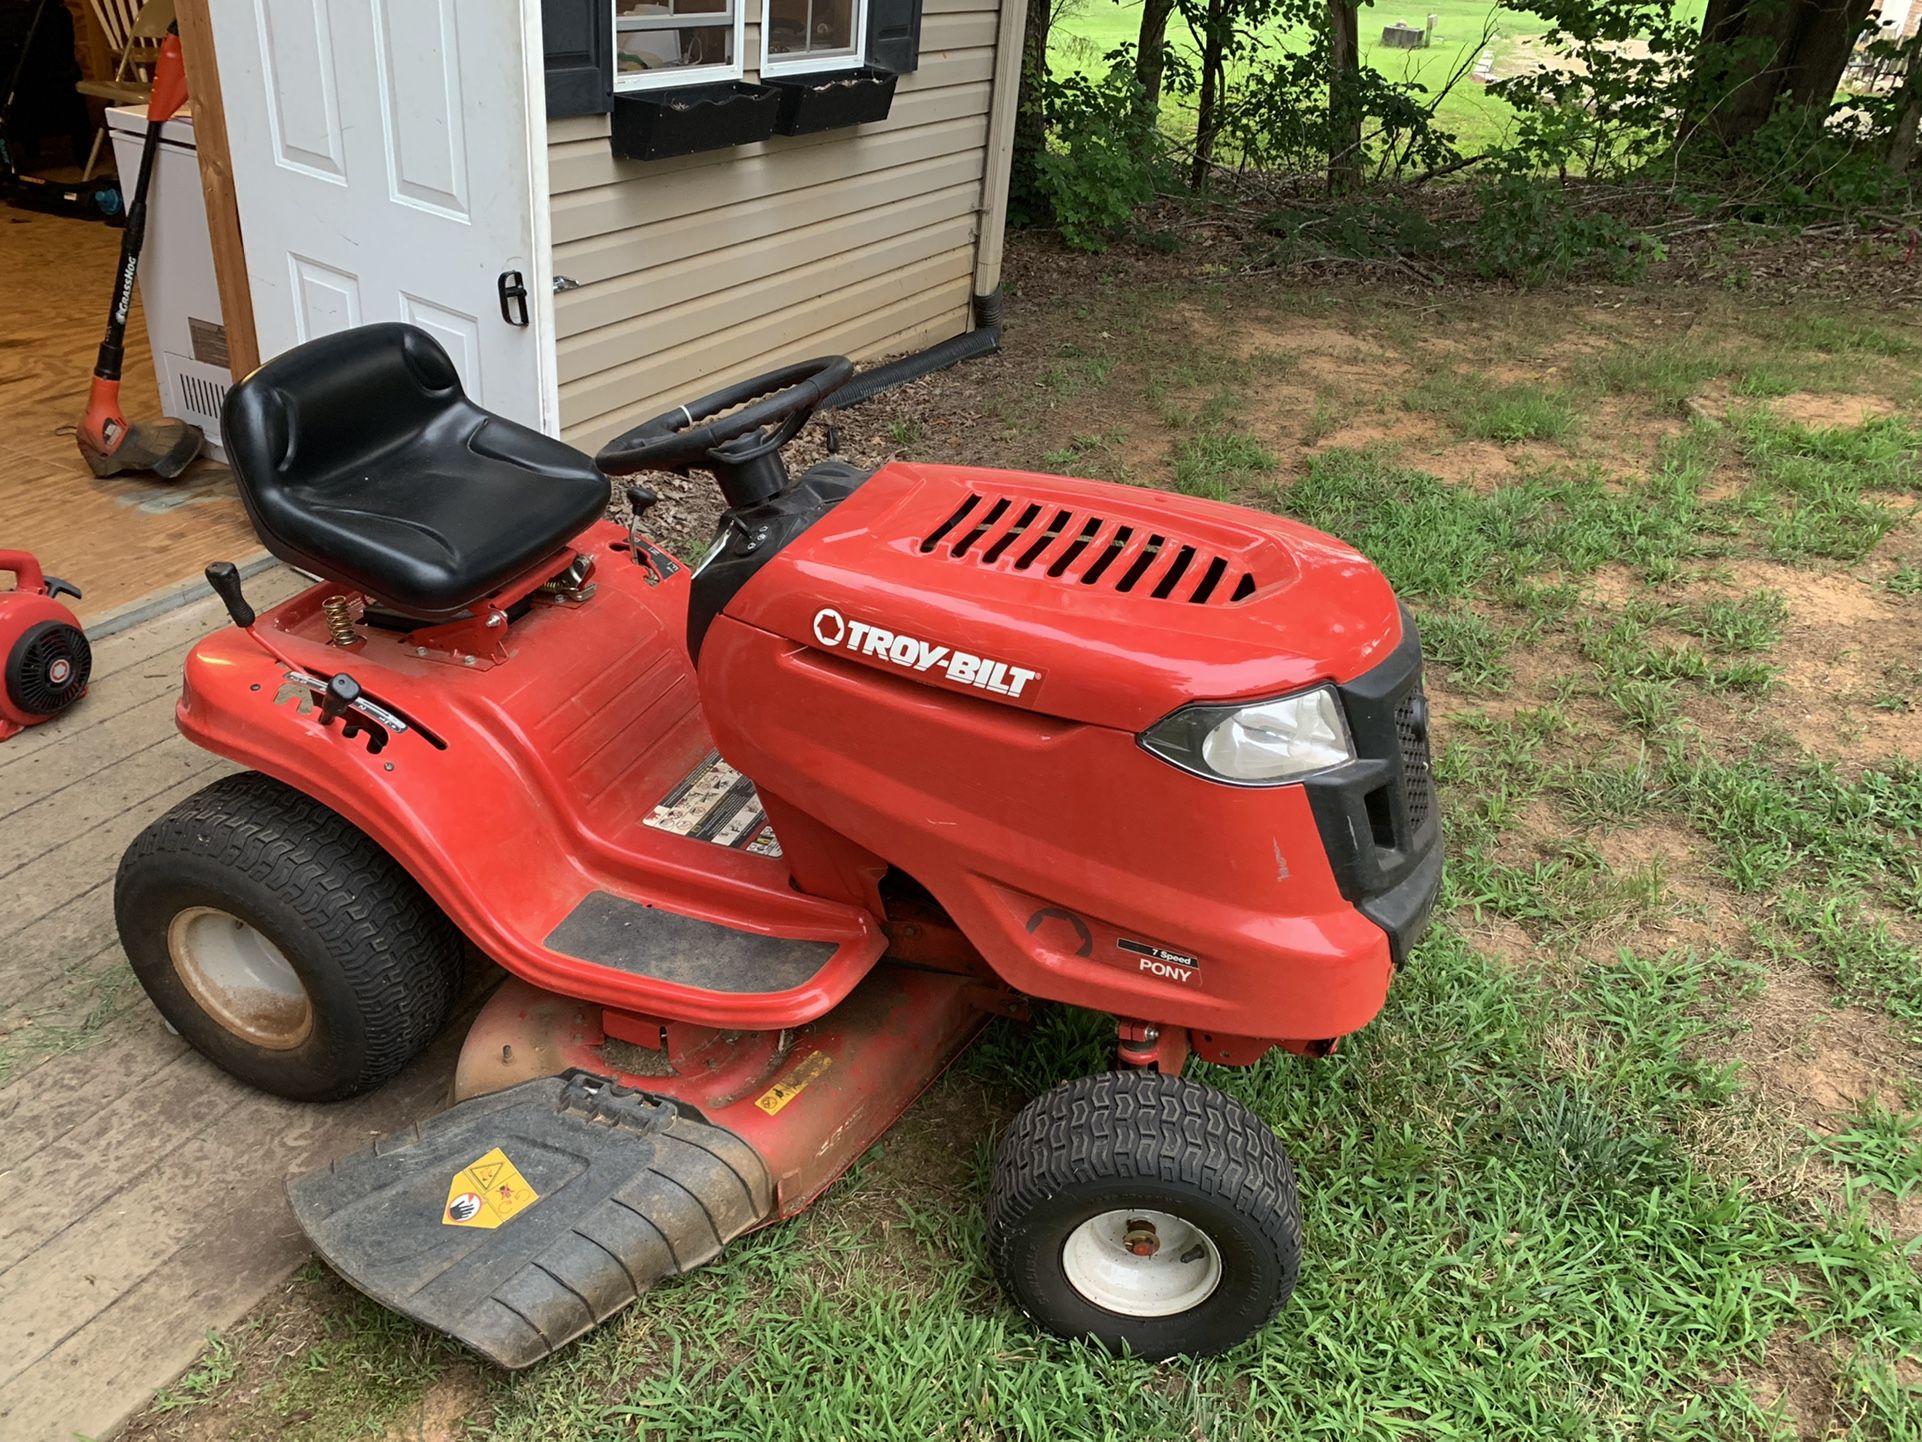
811, 103
657, 124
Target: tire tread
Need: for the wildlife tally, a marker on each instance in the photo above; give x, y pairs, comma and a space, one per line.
393, 946
1144, 1126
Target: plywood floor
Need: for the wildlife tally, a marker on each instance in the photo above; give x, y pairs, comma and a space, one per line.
119, 539
143, 1189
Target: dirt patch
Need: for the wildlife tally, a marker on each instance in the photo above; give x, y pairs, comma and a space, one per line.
445, 1412
1819, 1060
1479, 465
1797, 1382
1831, 412
1392, 427
1249, 337
1502, 939
1613, 586
1841, 691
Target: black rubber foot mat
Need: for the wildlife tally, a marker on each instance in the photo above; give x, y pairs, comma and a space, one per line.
517, 1221
647, 941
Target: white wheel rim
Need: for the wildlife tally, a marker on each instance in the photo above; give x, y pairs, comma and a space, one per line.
240, 978
1173, 1265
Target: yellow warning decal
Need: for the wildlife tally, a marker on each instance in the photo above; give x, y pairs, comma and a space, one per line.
783, 1092
487, 1193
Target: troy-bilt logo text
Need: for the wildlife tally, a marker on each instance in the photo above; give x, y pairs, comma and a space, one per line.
911, 653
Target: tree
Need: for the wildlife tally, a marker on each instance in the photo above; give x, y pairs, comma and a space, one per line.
1907, 105
1757, 54
1026, 198
1151, 59
1216, 23
1344, 97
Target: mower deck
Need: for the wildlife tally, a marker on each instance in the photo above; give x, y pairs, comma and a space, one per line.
641, 1161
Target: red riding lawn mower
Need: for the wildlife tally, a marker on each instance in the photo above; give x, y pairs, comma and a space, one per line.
764, 842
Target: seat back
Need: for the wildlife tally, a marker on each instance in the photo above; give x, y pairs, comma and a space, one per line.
360, 458
334, 406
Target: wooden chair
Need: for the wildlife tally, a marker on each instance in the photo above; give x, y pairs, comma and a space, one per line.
134, 31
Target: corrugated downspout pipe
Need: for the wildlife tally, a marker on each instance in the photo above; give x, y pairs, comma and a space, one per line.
984, 339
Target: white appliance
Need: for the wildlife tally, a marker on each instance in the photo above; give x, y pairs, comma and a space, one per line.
177, 289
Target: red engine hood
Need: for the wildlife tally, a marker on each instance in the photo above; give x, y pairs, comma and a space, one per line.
1085, 600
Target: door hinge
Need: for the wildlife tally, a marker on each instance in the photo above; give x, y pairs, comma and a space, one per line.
513, 289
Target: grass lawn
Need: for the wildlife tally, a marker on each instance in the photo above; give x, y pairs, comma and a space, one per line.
1092, 28
1635, 1151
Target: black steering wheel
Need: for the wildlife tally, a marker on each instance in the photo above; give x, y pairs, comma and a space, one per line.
776, 404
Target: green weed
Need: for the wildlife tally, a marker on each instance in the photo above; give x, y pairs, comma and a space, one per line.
1750, 623
1214, 463
1880, 1147
202, 1382
1483, 410
1807, 489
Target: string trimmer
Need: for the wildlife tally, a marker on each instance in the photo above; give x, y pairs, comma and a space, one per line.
106, 438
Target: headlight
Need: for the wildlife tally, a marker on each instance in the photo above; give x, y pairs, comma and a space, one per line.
1260, 743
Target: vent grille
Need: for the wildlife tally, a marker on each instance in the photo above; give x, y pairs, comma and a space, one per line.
1418, 780
1064, 544
47, 670
201, 396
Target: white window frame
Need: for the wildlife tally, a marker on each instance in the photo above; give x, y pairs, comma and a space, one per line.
674, 76
771, 65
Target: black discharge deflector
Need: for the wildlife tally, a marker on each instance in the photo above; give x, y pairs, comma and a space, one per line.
630, 1188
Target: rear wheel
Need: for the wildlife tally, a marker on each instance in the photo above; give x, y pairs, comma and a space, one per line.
282, 942
1149, 1213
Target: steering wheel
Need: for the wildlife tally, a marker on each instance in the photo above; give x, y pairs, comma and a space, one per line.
776, 405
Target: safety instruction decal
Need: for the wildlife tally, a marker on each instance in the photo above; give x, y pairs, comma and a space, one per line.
783, 1092
487, 1193
716, 803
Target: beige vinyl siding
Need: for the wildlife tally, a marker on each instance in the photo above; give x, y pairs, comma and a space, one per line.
696, 271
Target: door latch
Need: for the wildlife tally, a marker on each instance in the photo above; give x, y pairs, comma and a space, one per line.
513, 289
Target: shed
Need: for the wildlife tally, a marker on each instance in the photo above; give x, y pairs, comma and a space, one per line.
603, 207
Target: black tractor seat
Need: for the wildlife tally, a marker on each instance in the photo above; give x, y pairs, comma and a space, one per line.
360, 459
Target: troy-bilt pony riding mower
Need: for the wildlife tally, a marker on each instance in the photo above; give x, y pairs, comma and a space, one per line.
763, 844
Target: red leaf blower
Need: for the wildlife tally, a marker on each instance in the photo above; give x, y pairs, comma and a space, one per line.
109, 443
44, 657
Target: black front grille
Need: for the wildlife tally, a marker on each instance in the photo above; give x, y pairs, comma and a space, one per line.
1417, 776
1377, 815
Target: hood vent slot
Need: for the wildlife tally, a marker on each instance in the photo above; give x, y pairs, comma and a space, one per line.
1010, 534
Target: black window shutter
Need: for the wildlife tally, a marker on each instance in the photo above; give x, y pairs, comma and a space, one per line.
894, 35
576, 36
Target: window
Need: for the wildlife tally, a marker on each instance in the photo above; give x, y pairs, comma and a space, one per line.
675, 42
799, 36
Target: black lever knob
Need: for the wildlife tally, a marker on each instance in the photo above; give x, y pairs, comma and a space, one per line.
225, 580
639, 498
342, 692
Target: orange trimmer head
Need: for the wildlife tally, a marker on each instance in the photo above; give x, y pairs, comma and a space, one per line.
111, 444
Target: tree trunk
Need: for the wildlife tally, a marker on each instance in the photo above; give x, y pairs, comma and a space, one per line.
1026, 203
1151, 57
1208, 104
1902, 139
1344, 105
1757, 53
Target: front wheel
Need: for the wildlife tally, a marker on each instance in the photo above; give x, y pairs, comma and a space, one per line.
1146, 1212
282, 942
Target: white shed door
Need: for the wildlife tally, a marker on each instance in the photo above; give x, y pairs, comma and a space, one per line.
385, 168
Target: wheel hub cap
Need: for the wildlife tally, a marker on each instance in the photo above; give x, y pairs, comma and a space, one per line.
240, 978
1141, 1263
